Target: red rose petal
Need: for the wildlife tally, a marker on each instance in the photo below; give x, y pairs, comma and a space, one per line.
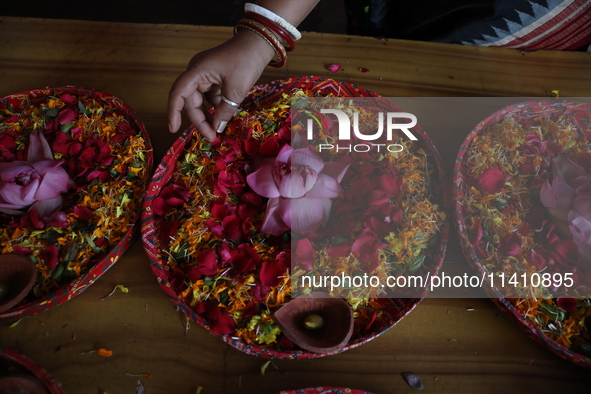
567, 303
492, 180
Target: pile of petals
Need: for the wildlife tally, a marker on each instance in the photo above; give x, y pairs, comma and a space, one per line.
73, 172
224, 220
527, 207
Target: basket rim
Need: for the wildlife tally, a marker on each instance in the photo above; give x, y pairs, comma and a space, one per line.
326, 389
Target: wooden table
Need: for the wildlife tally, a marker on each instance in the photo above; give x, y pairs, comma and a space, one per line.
455, 345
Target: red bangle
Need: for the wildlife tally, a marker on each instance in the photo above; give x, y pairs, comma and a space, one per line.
274, 27
268, 36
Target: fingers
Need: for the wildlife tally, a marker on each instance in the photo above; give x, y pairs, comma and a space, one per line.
224, 110
196, 112
176, 103
185, 95
178, 98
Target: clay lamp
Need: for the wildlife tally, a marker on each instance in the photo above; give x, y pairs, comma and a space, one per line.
17, 277
319, 325
20, 383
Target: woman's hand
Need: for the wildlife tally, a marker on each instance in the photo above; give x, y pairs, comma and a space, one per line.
230, 69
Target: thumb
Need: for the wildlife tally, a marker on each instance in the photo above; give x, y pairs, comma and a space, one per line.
224, 110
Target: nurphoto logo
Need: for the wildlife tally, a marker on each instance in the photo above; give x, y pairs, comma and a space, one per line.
388, 123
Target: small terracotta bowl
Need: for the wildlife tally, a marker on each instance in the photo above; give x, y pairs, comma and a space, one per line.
335, 331
17, 276
25, 384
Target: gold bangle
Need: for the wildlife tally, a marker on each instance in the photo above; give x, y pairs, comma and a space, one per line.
268, 35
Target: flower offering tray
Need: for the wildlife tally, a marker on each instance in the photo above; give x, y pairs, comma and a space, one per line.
325, 390
235, 273
521, 185
76, 163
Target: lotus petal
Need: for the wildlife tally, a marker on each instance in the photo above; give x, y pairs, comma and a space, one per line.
273, 222
302, 215
262, 182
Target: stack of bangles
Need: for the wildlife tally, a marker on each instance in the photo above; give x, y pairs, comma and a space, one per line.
271, 27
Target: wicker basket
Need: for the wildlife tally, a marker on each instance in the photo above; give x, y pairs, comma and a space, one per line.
396, 308
78, 285
528, 114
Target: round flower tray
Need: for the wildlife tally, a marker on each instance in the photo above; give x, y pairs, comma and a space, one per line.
527, 117
12, 362
131, 136
326, 390
395, 309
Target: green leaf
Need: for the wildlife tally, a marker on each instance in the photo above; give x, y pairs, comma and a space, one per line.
57, 272
338, 240
52, 112
67, 127
91, 243
69, 275
224, 297
186, 167
586, 347
51, 236
416, 263
499, 203
552, 311
433, 241
83, 109
269, 125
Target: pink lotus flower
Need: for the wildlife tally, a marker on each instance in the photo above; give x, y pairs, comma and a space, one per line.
299, 185
36, 183
568, 200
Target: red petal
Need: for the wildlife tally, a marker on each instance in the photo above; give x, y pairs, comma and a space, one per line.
391, 184
304, 253
66, 98
207, 262
567, 249
160, 206
218, 211
82, 212
271, 146
333, 68
492, 180
270, 273
339, 251
49, 256
66, 115
567, 303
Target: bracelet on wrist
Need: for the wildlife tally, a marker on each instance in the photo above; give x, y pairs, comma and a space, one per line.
268, 35
289, 44
273, 17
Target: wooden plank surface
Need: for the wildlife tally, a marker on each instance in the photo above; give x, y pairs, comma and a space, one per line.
454, 345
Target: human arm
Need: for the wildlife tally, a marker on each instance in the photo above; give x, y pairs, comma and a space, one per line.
230, 69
